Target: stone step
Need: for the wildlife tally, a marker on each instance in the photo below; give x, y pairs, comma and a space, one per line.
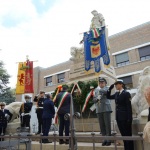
81, 146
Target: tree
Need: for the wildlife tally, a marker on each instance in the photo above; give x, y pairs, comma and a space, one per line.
6, 93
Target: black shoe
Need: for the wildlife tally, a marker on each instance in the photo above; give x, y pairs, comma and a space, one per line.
108, 143
104, 143
66, 142
61, 142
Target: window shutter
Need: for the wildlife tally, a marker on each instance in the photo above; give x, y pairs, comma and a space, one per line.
122, 58
61, 76
144, 51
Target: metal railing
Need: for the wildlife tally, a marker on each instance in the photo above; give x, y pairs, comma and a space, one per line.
13, 142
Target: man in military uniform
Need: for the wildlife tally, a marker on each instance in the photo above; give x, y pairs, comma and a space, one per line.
5, 117
39, 110
103, 109
123, 111
25, 112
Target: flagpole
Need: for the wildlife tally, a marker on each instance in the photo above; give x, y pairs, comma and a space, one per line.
21, 62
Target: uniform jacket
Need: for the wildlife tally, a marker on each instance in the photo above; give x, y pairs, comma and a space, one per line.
103, 105
48, 109
26, 107
65, 108
40, 102
3, 117
123, 105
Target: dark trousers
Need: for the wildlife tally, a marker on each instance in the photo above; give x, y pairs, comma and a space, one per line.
126, 130
2, 132
46, 126
104, 119
63, 124
25, 121
39, 117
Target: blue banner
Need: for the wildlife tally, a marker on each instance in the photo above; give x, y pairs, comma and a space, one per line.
95, 48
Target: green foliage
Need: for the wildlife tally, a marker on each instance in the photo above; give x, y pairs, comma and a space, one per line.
78, 98
6, 94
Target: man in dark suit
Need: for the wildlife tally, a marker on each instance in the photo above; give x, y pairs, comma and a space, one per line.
5, 117
63, 104
123, 111
48, 114
39, 110
25, 112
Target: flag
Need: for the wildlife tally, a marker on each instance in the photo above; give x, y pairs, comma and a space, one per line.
25, 77
29, 77
95, 47
20, 79
95, 33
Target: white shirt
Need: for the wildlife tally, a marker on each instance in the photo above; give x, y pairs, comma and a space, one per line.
121, 91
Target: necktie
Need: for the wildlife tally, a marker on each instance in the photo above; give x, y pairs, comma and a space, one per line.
118, 93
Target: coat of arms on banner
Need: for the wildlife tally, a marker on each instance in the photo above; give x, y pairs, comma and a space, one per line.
94, 49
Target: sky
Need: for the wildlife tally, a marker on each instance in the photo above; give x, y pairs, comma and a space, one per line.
45, 30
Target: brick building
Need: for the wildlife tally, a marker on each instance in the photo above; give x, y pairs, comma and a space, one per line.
130, 54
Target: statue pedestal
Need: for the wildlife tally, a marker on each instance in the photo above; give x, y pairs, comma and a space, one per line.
11, 127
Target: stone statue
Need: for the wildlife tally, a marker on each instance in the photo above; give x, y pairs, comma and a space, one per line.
14, 123
98, 22
138, 101
14, 109
76, 53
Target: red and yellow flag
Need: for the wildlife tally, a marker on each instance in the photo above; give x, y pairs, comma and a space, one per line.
25, 77
29, 77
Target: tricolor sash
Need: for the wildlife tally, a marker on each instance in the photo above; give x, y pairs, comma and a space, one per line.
65, 94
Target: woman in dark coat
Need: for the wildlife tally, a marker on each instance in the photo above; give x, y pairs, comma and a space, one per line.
123, 111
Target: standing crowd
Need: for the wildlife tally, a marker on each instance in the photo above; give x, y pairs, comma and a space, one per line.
45, 111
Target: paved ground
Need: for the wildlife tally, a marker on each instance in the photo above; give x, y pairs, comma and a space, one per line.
81, 146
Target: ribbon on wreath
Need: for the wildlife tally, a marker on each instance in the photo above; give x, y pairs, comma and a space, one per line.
58, 90
76, 85
87, 100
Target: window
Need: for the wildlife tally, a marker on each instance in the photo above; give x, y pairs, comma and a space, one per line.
49, 81
144, 53
61, 77
127, 81
122, 59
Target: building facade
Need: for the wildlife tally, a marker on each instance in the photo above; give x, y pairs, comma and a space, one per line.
129, 54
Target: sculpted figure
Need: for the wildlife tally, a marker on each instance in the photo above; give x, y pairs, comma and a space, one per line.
14, 109
98, 22
138, 101
76, 53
